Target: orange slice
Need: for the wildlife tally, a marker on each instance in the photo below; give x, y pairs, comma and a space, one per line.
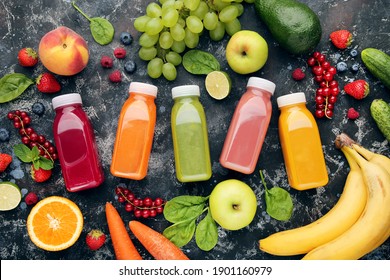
55, 223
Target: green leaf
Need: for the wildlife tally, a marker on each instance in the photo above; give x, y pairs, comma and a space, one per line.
23, 153
200, 62
180, 233
12, 85
206, 234
102, 30
184, 207
278, 202
45, 164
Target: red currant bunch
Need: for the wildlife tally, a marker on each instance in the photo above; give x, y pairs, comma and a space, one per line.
142, 208
326, 94
21, 121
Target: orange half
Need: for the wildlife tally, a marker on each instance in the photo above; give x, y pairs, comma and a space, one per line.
55, 223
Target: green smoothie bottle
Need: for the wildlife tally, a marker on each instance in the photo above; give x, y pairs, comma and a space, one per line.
190, 136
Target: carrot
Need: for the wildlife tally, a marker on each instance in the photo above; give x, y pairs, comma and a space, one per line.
123, 246
160, 247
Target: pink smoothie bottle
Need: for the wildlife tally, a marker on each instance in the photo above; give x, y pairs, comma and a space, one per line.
75, 142
248, 127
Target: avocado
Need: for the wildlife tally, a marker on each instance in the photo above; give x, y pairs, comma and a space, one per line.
292, 24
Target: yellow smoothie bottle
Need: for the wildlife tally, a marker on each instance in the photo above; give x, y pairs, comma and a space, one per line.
301, 143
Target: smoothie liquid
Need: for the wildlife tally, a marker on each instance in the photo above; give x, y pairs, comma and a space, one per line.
248, 127
76, 146
190, 136
134, 138
301, 143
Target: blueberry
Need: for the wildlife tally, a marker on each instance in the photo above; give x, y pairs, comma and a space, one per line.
38, 108
355, 67
126, 38
353, 53
130, 66
341, 66
4, 135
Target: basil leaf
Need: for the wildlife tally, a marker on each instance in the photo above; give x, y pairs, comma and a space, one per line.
200, 62
184, 207
23, 153
206, 234
102, 30
180, 233
279, 203
13, 85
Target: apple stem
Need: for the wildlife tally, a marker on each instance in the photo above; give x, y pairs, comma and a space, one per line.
80, 11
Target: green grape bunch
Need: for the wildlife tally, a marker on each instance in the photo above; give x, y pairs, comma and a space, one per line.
169, 27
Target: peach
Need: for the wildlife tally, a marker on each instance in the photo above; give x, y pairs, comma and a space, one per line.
63, 51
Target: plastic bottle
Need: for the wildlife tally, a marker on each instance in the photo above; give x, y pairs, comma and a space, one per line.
301, 143
248, 127
75, 142
134, 137
190, 136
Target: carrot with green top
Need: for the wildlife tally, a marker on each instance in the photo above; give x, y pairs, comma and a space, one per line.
160, 247
123, 246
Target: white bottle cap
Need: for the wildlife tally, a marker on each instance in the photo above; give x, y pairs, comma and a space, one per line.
289, 99
66, 99
143, 88
189, 90
261, 84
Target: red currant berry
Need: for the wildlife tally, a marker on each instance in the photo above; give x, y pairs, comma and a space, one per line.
311, 61
25, 140
129, 207
316, 55
17, 112
330, 106
22, 132
321, 58
29, 130
332, 99
325, 65
320, 106
317, 70
328, 77
54, 156
17, 124
320, 99
137, 202
326, 92
334, 91
118, 190
323, 84
23, 114
130, 196
26, 120
121, 199
153, 213
319, 114
51, 150
318, 79
34, 137
137, 213
332, 70
159, 209
158, 201
329, 113
333, 84
147, 202
41, 139
10, 115
145, 213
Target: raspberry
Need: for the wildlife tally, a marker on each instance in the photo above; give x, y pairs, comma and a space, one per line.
31, 198
120, 52
106, 61
352, 114
298, 74
115, 76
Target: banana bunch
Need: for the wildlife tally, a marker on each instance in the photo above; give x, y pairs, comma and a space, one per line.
357, 224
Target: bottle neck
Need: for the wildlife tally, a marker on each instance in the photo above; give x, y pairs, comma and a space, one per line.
140, 95
187, 98
68, 107
293, 107
259, 92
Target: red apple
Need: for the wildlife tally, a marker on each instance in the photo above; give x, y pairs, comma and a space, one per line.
63, 51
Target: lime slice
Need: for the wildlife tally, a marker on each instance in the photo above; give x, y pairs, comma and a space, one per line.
10, 196
218, 84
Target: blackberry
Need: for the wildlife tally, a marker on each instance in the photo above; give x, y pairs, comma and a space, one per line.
126, 38
4, 135
130, 66
38, 108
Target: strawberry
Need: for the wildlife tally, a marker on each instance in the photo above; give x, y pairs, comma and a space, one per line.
357, 89
5, 160
27, 57
95, 239
352, 114
298, 74
47, 83
40, 175
341, 38
115, 76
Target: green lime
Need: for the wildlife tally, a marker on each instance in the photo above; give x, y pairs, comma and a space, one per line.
10, 196
218, 84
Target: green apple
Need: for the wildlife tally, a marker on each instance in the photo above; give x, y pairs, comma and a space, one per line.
246, 52
233, 204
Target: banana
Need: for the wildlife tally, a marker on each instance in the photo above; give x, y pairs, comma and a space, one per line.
342, 216
378, 159
372, 228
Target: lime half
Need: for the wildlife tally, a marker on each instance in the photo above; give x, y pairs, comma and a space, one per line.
10, 196
218, 84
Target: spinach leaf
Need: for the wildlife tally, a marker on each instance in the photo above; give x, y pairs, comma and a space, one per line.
101, 29
184, 207
278, 202
206, 234
12, 85
181, 233
200, 62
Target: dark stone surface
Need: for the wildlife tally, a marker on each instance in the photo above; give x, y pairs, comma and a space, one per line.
23, 23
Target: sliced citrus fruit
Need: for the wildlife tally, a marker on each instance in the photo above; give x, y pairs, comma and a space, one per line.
218, 84
55, 223
10, 196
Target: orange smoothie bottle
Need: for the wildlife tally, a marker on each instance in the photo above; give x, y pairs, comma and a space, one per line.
248, 127
301, 143
135, 132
